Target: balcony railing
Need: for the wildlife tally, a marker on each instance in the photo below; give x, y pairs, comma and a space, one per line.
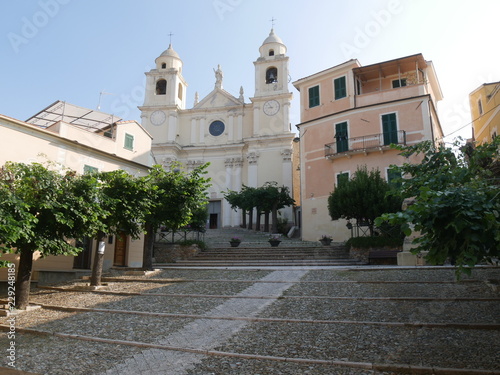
343, 146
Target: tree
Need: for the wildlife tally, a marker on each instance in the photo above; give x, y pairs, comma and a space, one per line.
363, 198
268, 198
457, 203
178, 199
40, 209
127, 200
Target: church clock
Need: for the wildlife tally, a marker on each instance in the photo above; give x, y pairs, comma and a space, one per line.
157, 117
271, 107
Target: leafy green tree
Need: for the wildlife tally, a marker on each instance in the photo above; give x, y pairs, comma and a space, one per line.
268, 198
127, 200
457, 203
363, 198
178, 199
40, 209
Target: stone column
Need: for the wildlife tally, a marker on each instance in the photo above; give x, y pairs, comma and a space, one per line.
193, 131
287, 179
252, 158
231, 132
286, 116
237, 184
202, 125
172, 127
226, 207
256, 122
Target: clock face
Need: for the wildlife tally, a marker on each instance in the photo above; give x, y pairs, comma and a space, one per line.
216, 128
157, 117
271, 107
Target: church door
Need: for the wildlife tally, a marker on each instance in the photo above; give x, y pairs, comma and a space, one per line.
214, 210
120, 258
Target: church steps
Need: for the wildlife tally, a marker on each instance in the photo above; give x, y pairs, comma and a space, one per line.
261, 263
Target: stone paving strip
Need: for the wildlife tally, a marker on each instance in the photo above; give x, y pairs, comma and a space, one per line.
276, 324
204, 334
80, 319
180, 360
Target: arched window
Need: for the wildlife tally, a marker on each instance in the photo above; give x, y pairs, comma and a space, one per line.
271, 52
161, 87
164, 66
271, 75
179, 94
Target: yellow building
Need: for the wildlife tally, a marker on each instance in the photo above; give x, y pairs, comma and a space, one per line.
485, 111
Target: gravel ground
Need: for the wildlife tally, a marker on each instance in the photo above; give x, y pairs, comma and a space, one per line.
472, 349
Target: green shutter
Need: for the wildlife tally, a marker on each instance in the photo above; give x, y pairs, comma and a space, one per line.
340, 88
341, 137
390, 128
129, 142
89, 169
313, 96
342, 177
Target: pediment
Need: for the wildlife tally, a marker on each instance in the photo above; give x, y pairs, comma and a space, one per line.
216, 99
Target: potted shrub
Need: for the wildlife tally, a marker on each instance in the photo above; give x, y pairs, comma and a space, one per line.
326, 240
274, 240
235, 241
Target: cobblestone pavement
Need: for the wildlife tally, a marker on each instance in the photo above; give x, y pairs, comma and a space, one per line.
360, 320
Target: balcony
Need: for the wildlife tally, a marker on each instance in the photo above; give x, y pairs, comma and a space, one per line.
365, 144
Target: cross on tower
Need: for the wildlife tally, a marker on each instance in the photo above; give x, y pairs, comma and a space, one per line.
272, 21
170, 35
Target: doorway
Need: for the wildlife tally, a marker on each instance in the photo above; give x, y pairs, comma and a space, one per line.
82, 260
120, 257
214, 210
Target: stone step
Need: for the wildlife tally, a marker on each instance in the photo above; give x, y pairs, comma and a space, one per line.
244, 251
262, 263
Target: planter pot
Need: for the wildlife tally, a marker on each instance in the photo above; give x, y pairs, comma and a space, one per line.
234, 243
326, 242
274, 243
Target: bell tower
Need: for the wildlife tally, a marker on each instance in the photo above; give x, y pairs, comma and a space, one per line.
165, 95
271, 68
272, 98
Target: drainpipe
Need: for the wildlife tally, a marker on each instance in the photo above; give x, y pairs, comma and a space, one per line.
430, 118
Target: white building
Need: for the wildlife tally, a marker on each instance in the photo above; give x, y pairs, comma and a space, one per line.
246, 143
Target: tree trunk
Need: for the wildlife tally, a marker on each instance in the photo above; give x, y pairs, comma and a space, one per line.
244, 221
95, 278
266, 221
257, 219
147, 255
24, 279
250, 218
275, 219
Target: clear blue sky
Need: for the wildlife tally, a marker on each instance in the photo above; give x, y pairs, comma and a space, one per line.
72, 50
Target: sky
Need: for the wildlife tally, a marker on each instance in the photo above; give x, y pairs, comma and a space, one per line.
95, 52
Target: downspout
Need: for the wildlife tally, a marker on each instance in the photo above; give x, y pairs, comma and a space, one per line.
430, 118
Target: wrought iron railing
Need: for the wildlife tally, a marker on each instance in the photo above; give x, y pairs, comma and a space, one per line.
166, 236
375, 141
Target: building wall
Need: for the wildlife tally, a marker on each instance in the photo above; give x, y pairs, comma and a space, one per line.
26, 143
486, 123
362, 109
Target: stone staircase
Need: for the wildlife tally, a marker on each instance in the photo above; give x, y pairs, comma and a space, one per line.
255, 250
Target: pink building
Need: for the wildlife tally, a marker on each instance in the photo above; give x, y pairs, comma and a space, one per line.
350, 114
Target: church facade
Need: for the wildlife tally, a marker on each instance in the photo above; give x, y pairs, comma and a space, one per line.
245, 143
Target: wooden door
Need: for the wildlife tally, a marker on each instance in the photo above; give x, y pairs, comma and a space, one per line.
82, 260
120, 258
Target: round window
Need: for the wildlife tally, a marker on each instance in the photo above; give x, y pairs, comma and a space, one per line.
216, 128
